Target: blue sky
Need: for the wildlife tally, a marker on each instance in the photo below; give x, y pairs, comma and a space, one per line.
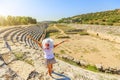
54, 9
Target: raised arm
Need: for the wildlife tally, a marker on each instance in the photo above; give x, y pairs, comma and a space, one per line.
40, 45
60, 43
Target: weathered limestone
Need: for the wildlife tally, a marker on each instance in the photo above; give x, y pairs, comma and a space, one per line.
83, 63
21, 68
1, 63
77, 61
8, 57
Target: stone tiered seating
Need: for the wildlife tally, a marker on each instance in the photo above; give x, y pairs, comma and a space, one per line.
26, 40
7, 35
35, 35
28, 32
19, 35
4, 31
14, 35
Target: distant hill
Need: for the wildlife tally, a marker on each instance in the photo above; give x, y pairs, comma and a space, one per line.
111, 17
47, 22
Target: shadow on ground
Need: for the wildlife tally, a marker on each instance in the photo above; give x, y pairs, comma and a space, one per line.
61, 75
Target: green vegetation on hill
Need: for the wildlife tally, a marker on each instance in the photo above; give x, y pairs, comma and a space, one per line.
16, 20
111, 17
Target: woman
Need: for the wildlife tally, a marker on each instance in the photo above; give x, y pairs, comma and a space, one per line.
47, 46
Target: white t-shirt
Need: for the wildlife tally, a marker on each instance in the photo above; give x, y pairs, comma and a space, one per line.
48, 53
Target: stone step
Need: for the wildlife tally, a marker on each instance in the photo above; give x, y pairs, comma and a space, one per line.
21, 68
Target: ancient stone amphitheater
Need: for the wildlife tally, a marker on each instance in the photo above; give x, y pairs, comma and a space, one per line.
111, 33
26, 62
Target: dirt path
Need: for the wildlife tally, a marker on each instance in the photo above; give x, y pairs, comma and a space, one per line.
61, 31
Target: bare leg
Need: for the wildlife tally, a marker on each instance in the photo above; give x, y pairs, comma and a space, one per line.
49, 69
52, 67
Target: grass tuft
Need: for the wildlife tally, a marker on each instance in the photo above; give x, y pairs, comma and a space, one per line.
19, 55
91, 68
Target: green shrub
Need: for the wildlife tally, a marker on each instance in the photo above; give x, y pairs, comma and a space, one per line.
92, 68
52, 31
110, 23
62, 51
29, 61
62, 36
83, 33
19, 55
71, 32
102, 23
96, 23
